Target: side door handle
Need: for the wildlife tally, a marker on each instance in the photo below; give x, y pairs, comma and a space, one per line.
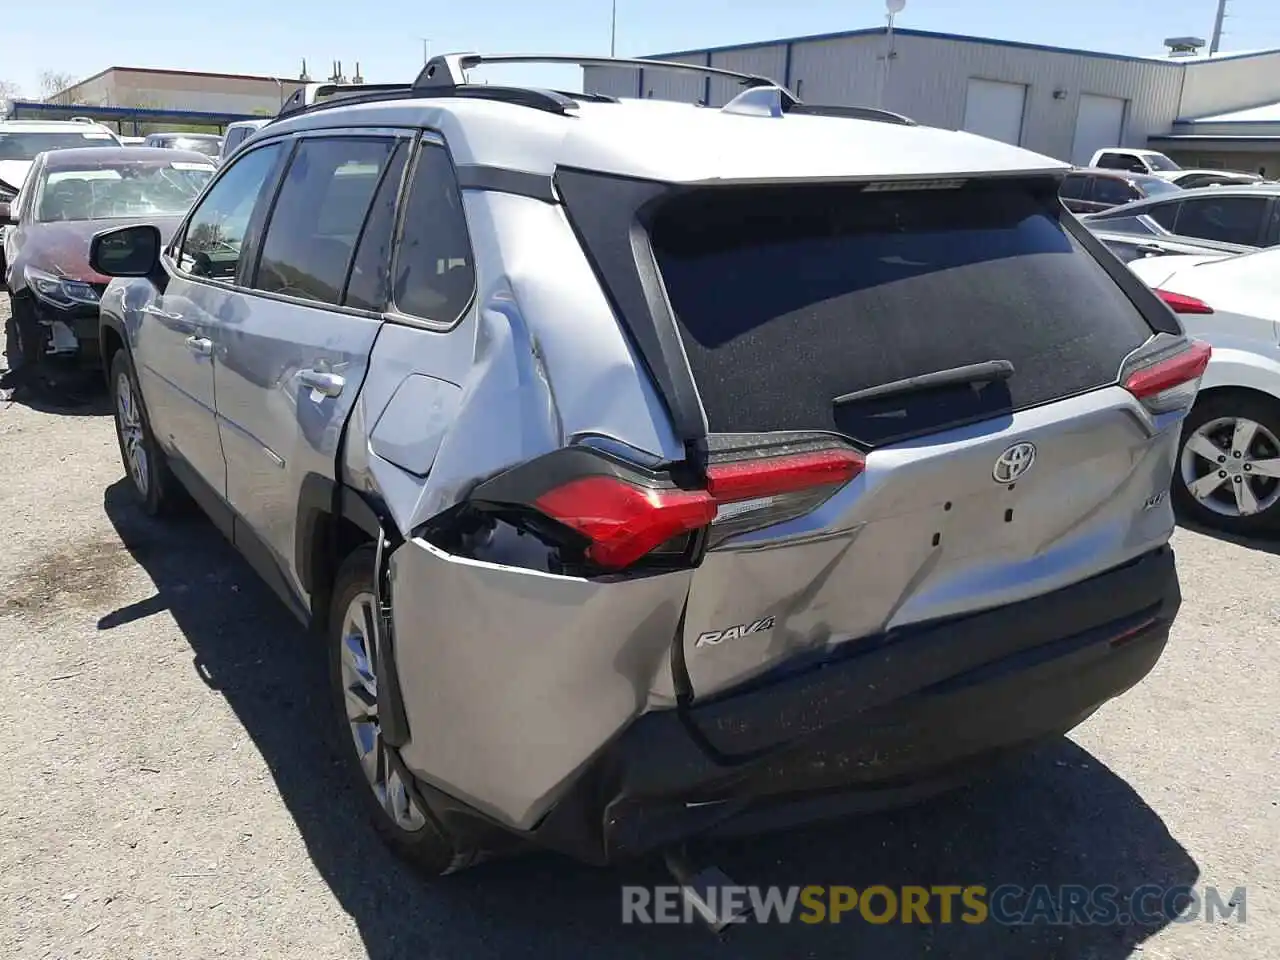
1151, 250
329, 384
200, 346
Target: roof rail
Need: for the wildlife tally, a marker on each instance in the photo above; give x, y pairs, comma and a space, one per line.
310, 94
449, 71
850, 113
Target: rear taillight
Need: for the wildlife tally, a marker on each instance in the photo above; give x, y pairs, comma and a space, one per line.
1181, 303
619, 514
624, 522
1170, 381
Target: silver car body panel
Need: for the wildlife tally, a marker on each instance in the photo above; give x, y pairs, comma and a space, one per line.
514, 676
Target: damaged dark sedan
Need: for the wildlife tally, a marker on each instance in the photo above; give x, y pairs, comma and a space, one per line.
69, 196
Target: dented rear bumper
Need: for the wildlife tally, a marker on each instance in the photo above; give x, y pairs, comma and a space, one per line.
888, 718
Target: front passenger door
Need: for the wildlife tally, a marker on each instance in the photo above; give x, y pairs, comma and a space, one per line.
173, 347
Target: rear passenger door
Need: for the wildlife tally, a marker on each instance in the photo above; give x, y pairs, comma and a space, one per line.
293, 354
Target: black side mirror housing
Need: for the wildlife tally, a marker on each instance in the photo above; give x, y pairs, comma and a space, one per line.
132, 251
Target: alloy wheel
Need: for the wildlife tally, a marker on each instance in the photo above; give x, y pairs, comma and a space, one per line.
129, 423
1231, 466
360, 695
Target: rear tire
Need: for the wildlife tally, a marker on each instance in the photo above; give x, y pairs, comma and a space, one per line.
387, 790
145, 464
1226, 476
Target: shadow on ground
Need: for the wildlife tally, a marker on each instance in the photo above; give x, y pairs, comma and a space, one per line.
1056, 817
1261, 544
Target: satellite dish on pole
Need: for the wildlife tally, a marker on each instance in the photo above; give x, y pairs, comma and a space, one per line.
895, 6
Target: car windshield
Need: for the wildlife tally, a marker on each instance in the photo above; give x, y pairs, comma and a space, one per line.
123, 189
21, 145
1158, 161
207, 145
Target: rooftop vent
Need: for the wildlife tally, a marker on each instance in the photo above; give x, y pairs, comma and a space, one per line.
1184, 46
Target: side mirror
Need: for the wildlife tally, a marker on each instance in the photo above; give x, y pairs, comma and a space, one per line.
6, 214
126, 251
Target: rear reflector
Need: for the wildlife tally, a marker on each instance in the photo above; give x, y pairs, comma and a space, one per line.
749, 479
624, 522
1181, 303
1171, 383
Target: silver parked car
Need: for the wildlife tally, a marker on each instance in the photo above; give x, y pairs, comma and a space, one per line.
651, 469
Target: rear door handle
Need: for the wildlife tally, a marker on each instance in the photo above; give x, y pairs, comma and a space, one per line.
330, 384
200, 346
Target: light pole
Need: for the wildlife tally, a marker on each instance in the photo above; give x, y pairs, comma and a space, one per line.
426, 50
613, 30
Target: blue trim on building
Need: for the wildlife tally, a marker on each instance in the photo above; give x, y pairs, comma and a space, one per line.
18, 107
932, 35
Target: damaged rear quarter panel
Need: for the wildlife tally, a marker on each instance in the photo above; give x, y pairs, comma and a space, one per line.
513, 679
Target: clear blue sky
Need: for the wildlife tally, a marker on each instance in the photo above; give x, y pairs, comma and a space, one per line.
81, 37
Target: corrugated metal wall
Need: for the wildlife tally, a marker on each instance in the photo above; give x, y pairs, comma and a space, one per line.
1235, 84
927, 80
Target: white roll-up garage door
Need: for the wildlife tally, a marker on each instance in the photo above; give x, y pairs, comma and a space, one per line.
993, 109
1099, 124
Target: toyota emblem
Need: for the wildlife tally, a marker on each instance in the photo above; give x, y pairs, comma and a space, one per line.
1014, 462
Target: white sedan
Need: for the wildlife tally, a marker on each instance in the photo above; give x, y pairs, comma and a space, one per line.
1228, 471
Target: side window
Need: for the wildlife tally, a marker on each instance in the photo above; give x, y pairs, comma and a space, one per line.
215, 232
1134, 225
1073, 187
1273, 227
435, 274
1165, 214
1112, 190
1227, 219
1112, 161
369, 285
317, 217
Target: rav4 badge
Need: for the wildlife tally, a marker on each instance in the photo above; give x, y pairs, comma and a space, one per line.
712, 637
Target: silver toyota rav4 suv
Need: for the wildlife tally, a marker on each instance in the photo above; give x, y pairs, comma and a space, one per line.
656, 469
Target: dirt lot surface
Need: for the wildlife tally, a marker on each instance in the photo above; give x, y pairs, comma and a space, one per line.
168, 792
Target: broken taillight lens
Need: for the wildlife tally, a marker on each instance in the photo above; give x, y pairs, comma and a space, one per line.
623, 514
1170, 381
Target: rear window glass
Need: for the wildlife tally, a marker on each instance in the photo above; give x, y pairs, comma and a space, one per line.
787, 298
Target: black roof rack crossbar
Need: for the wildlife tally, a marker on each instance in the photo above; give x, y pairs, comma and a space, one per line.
308, 95
849, 113
449, 71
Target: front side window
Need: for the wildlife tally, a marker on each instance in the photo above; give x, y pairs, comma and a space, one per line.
124, 189
1226, 219
435, 275
318, 216
1165, 214
215, 232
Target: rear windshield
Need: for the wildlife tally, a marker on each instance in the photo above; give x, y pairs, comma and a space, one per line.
787, 298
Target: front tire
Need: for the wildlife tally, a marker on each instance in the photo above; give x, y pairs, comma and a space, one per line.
390, 796
1227, 475
144, 462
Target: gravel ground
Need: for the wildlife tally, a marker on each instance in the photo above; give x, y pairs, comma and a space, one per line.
170, 794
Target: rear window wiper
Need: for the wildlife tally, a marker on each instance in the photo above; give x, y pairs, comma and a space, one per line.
989, 371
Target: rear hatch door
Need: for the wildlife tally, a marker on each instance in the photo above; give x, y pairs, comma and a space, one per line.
1001, 461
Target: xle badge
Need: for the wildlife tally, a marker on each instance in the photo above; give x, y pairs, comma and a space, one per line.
712, 637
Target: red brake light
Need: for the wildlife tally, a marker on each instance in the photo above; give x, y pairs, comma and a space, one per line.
1178, 373
766, 477
624, 522
1181, 303
625, 515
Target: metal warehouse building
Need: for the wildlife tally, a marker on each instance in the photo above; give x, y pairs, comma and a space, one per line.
1219, 111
